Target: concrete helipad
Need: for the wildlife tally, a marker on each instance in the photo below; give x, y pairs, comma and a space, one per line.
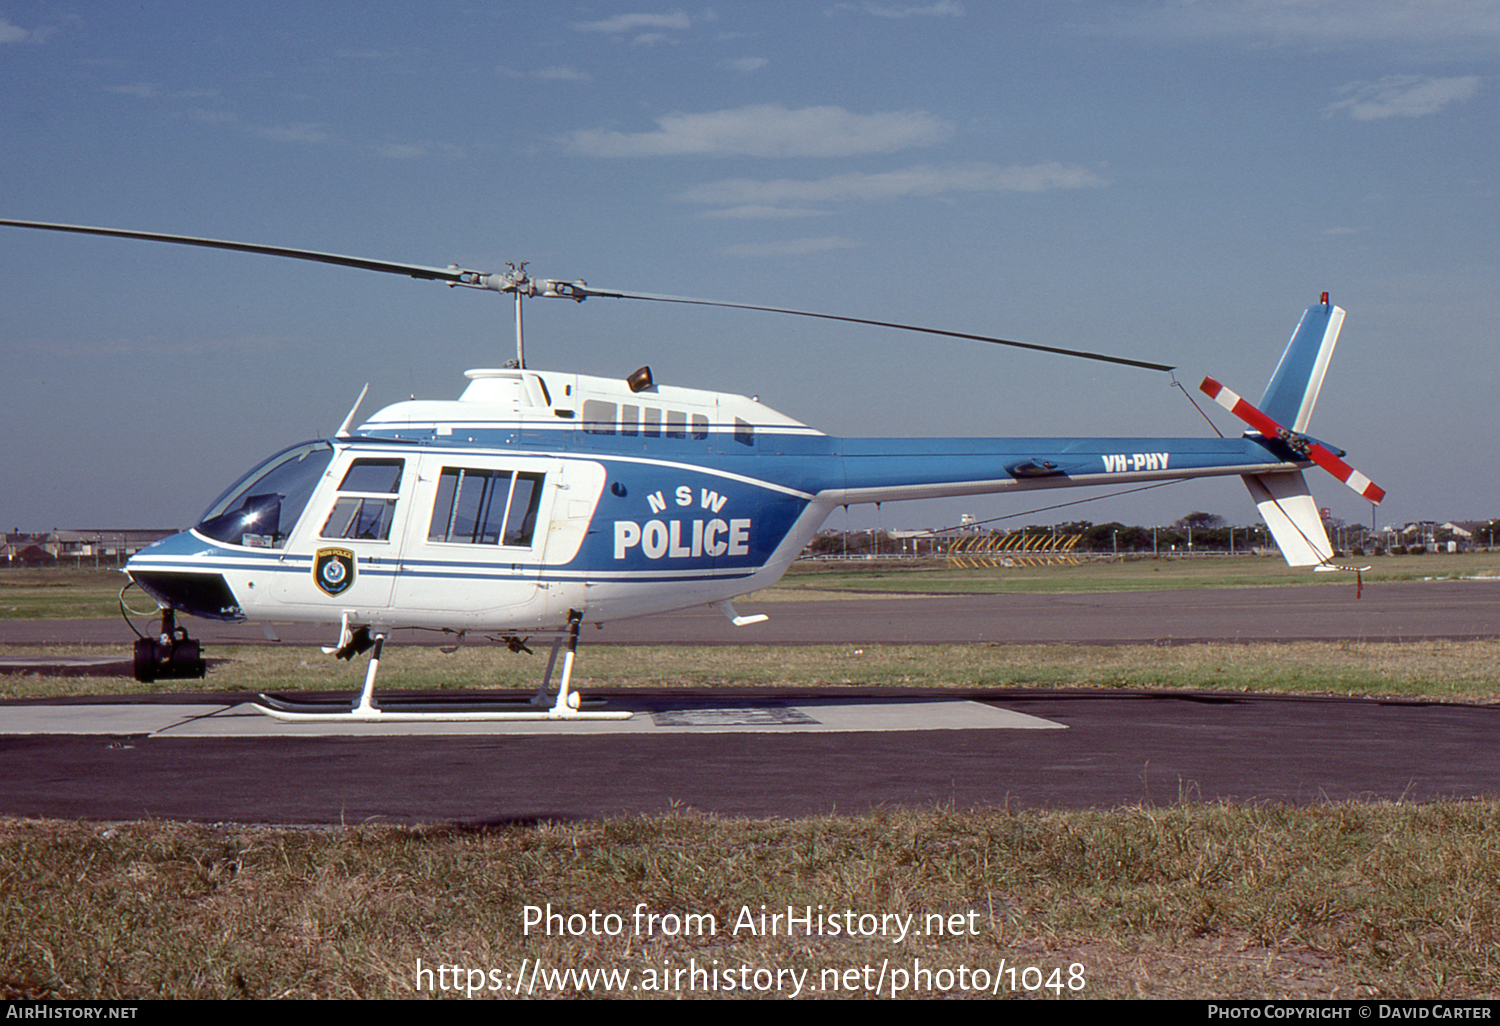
655, 717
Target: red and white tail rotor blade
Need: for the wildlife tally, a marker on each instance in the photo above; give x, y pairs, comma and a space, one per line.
1318, 454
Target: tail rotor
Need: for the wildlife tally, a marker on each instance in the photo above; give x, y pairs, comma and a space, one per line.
1300, 444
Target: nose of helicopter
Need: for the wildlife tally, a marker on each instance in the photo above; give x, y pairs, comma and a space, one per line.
165, 571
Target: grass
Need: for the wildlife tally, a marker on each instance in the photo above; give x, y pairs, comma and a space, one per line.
82, 593
61, 594
1466, 671
1391, 901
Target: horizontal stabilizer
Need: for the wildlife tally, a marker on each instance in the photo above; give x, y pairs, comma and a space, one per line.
1289, 511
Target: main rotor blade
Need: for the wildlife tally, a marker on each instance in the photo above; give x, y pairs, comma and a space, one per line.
450, 274
1083, 354
517, 281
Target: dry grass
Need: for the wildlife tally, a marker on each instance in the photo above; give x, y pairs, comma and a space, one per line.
1198, 902
1442, 670
1184, 902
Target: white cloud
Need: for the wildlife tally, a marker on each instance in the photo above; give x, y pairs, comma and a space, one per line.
212, 117
418, 150
621, 24
767, 130
563, 73
789, 197
556, 73
940, 9
151, 91
631, 22
744, 64
10, 32
309, 133
754, 211
1320, 22
305, 133
144, 90
1403, 96
790, 247
401, 151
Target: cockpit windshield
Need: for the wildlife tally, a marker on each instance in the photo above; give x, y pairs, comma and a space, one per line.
261, 508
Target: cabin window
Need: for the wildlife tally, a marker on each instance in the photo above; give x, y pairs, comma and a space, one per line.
360, 518
485, 507
744, 432
366, 515
262, 507
598, 417
520, 521
373, 476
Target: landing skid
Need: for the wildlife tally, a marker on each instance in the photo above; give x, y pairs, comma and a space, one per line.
340, 712
366, 710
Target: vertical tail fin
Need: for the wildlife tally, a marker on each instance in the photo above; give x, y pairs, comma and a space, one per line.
1283, 498
1284, 501
1294, 386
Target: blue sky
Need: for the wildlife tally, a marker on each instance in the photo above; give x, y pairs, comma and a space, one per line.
1167, 181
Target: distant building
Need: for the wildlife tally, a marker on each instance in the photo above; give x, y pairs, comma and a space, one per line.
23, 548
100, 546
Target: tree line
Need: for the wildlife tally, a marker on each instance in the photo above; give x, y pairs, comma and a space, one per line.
1196, 532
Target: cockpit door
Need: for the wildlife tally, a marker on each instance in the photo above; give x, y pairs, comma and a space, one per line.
348, 549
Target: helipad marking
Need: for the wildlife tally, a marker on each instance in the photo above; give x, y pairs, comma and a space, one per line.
744, 716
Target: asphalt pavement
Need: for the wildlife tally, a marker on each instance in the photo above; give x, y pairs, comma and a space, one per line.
757, 752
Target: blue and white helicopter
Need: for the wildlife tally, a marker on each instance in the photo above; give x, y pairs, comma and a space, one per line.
538, 501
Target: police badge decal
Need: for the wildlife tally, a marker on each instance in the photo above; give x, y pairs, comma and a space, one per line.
333, 570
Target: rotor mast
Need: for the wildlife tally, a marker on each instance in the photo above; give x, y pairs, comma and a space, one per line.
516, 281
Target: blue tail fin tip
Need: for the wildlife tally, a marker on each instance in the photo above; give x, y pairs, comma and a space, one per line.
1293, 390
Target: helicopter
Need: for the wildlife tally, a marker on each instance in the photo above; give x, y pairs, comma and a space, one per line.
539, 501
